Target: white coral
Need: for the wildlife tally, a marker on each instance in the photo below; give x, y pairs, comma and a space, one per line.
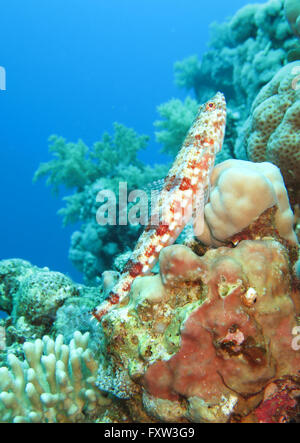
55, 382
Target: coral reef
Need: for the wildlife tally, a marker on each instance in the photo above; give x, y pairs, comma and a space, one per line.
209, 335
31, 296
55, 383
272, 132
209, 339
204, 339
245, 53
41, 302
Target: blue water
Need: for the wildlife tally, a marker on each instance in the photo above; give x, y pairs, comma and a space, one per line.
74, 67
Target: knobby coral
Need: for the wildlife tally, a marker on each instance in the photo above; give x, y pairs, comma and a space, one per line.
272, 132
40, 302
240, 192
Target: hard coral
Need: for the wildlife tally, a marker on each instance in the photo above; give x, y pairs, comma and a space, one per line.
39, 302
202, 340
55, 383
272, 132
240, 192
244, 54
32, 296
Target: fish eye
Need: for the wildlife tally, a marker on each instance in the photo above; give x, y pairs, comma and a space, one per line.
210, 106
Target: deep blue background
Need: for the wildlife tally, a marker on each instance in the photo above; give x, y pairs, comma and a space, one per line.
73, 68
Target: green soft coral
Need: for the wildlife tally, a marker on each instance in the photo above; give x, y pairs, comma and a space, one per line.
71, 165
119, 150
75, 165
187, 72
177, 117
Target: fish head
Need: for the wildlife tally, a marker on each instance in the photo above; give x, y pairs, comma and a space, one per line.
213, 115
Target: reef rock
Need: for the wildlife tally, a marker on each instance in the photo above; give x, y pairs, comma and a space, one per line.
208, 339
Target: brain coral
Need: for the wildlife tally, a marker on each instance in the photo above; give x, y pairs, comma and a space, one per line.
207, 338
272, 132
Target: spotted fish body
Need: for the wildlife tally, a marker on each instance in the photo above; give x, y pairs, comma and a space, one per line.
187, 182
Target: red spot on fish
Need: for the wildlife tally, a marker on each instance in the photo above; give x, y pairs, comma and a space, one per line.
217, 125
114, 298
185, 184
134, 268
172, 209
99, 314
209, 141
198, 136
192, 164
162, 229
126, 287
170, 182
150, 251
203, 163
